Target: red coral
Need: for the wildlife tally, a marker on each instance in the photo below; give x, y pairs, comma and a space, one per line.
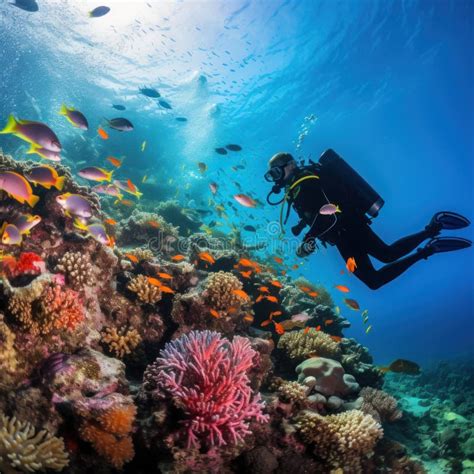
28, 263
206, 377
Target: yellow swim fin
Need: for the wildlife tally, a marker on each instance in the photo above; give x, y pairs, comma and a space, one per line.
11, 126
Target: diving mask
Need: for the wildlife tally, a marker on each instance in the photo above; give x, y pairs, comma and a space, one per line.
275, 174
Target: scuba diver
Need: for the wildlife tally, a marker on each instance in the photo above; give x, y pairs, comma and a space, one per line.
333, 200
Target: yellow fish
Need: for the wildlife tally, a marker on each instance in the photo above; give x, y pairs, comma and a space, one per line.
144, 178
144, 145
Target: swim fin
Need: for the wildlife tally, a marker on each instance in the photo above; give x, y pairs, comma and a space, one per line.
445, 244
450, 220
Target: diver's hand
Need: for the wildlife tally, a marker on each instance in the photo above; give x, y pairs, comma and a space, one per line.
306, 248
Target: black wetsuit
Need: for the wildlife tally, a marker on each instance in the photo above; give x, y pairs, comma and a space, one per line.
352, 235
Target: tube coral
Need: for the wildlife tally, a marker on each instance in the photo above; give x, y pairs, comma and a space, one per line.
206, 377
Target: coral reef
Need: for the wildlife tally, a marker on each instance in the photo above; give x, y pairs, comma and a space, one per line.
379, 404
219, 289
77, 268
120, 342
8, 356
145, 291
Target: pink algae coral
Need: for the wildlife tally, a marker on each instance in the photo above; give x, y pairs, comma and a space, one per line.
206, 377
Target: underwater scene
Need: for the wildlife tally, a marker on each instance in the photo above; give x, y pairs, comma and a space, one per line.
235, 236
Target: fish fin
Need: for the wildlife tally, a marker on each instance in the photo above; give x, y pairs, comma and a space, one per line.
11, 126
67, 213
33, 149
138, 194
33, 200
117, 201
79, 224
120, 197
63, 110
60, 183
109, 175
47, 186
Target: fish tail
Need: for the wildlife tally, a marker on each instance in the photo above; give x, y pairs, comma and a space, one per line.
138, 194
32, 200
63, 110
120, 197
60, 183
11, 126
79, 224
33, 149
108, 175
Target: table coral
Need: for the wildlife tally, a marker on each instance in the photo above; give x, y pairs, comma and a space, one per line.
21, 448
205, 376
145, 291
342, 440
122, 341
299, 344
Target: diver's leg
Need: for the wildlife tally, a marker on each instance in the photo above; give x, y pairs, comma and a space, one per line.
366, 272
376, 247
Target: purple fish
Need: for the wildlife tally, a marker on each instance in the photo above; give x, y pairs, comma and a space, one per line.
75, 117
329, 209
99, 11
108, 189
36, 133
11, 235
96, 174
75, 204
96, 231
25, 222
121, 124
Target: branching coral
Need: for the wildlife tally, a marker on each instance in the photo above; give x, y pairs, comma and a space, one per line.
8, 356
205, 376
299, 344
146, 292
342, 440
22, 449
219, 291
142, 253
379, 404
77, 268
293, 392
120, 342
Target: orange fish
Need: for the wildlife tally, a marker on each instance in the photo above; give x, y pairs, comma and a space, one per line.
102, 133
295, 266
215, 313
115, 161
246, 274
283, 272
131, 186
351, 264
273, 299
132, 257
178, 258
165, 276
241, 294
313, 294
110, 221
232, 310
125, 202
207, 257
276, 313
154, 224
264, 289
278, 259
328, 322
154, 282
336, 338
342, 288
305, 288
279, 328
245, 262
266, 323
248, 318
306, 330
276, 283
166, 289
318, 328
259, 298
352, 304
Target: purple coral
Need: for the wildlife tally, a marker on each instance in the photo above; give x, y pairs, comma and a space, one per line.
206, 377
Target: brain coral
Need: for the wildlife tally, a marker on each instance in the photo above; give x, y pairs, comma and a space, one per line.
218, 291
299, 344
22, 449
342, 440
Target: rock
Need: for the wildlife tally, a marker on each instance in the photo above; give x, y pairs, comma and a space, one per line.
355, 405
334, 403
329, 374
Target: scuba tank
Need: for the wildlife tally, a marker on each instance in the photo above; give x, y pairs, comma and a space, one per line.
346, 187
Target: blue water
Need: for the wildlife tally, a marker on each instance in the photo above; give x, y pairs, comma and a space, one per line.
389, 82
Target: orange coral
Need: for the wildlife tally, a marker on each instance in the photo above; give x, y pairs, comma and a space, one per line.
116, 451
118, 420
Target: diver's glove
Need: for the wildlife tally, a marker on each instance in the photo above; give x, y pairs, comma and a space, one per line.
307, 247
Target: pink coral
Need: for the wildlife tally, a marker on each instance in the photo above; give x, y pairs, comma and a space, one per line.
206, 377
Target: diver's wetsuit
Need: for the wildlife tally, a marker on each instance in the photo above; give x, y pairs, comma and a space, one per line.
352, 235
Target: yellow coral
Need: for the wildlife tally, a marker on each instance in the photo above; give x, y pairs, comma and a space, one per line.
21, 448
121, 342
299, 344
219, 291
342, 440
77, 268
293, 392
146, 292
8, 360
